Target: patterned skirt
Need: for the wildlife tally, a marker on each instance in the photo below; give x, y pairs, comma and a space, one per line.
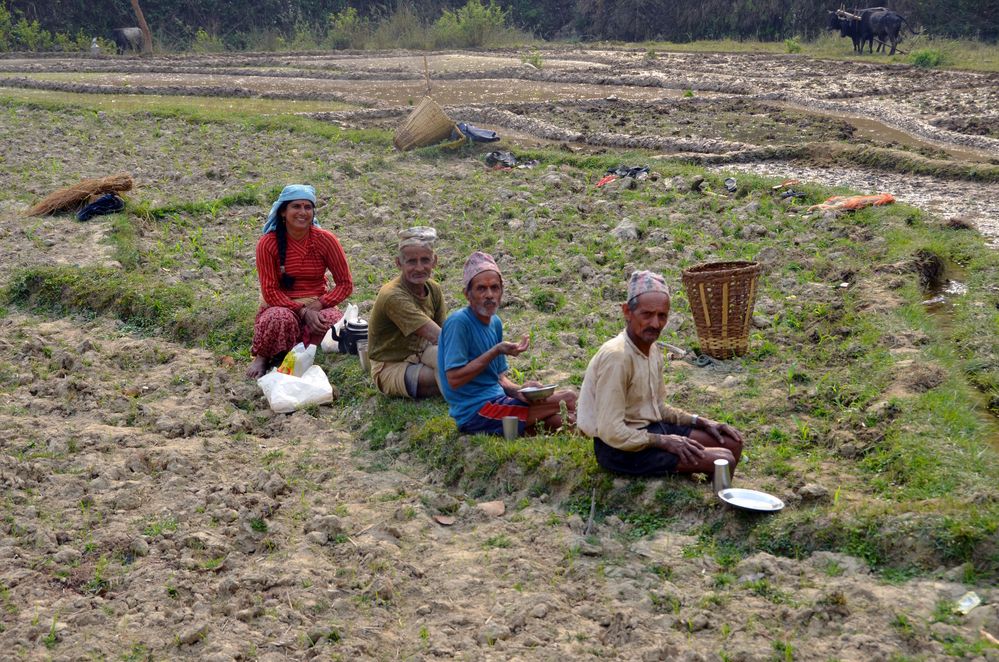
276, 329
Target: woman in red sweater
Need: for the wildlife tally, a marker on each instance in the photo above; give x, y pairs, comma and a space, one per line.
293, 256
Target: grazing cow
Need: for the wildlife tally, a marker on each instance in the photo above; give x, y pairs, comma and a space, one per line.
127, 39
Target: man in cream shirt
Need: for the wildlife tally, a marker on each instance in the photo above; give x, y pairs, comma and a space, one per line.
622, 399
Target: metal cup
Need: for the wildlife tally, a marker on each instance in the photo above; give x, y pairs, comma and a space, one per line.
362, 354
722, 479
511, 427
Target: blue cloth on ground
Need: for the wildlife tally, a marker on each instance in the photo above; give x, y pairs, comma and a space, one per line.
106, 204
464, 338
478, 135
290, 192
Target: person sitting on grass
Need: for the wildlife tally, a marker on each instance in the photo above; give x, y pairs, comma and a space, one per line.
622, 400
293, 256
472, 361
406, 321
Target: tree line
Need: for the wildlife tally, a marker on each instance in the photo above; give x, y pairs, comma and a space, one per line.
262, 24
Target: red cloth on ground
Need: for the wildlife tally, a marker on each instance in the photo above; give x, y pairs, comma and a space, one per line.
279, 329
307, 260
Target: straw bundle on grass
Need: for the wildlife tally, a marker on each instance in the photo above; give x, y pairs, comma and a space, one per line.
72, 197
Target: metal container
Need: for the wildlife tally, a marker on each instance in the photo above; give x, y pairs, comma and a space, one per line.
362, 354
511, 427
351, 334
722, 479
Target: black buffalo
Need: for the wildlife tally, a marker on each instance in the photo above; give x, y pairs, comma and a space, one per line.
883, 25
850, 25
127, 39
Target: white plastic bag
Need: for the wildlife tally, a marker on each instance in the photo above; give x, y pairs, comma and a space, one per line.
286, 393
331, 346
298, 359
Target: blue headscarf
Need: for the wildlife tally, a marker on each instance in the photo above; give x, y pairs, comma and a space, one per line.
290, 192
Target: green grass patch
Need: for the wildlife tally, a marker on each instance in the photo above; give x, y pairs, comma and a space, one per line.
249, 196
927, 58
168, 104
207, 114
896, 542
139, 300
124, 238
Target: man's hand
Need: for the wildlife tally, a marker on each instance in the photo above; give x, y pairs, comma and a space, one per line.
688, 450
716, 429
513, 349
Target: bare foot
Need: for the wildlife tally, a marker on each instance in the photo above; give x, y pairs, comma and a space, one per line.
258, 366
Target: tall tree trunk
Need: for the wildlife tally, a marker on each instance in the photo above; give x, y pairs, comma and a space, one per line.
147, 37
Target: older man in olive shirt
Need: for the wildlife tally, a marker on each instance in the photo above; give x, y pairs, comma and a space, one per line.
622, 399
406, 321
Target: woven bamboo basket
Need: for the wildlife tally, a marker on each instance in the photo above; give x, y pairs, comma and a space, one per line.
428, 124
721, 296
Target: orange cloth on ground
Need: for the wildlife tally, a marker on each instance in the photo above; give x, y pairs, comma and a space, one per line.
853, 202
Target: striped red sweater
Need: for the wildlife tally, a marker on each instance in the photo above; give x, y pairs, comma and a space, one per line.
307, 260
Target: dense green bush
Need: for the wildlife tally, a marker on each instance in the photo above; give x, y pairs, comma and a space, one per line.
206, 43
472, 26
401, 29
29, 35
347, 29
629, 20
6, 22
272, 24
927, 58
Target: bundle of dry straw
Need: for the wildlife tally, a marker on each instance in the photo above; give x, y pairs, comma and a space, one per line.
73, 196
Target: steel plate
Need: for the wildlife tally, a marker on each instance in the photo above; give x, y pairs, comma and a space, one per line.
533, 393
751, 500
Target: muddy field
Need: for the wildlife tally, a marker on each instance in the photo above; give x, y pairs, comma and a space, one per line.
154, 508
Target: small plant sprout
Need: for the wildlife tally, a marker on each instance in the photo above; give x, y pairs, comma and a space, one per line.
52, 638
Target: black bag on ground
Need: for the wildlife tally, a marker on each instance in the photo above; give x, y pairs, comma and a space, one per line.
106, 204
478, 135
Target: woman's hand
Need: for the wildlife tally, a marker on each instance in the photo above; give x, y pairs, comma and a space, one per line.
313, 320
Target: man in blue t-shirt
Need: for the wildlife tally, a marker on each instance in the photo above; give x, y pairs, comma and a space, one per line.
472, 361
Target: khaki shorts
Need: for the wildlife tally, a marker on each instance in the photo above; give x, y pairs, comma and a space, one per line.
390, 378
